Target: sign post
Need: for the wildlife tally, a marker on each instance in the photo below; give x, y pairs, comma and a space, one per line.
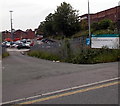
87, 41
89, 24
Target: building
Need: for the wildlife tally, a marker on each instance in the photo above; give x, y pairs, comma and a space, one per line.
29, 34
6, 34
112, 14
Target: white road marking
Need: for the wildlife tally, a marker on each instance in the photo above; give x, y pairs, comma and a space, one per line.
62, 90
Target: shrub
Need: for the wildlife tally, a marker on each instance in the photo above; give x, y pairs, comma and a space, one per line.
90, 56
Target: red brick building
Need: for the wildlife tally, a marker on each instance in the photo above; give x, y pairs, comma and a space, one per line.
30, 34
6, 34
112, 14
19, 34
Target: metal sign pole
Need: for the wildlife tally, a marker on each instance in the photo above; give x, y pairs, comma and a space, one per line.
89, 23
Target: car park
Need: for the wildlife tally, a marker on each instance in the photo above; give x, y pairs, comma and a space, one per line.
24, 43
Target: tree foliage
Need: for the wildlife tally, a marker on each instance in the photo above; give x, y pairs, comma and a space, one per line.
65, 21
84, 25
103, 24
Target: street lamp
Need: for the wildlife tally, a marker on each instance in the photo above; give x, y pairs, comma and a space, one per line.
89, 23
11, 24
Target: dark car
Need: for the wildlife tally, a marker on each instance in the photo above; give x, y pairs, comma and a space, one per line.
22, 46
47, 40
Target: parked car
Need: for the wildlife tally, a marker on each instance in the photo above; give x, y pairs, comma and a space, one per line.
22, 46
3, 44
39, 38
47, 40
15, 44
29, 43
7, 44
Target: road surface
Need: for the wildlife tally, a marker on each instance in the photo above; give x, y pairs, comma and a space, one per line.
25, 76
88, 95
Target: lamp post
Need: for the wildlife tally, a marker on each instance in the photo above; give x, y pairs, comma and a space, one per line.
11, 24
89, 23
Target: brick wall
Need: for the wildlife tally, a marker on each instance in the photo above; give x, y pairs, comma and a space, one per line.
106, 14
112, 13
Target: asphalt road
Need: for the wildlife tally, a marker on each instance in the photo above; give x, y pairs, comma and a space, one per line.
25, 76
104, 95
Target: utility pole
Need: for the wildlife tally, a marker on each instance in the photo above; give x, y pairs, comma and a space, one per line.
11, 24
118, 18
118, 21
89, 23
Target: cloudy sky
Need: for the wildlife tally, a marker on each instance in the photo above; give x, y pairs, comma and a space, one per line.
29, 13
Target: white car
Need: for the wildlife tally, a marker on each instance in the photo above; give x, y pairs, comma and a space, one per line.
8, 44
28, 43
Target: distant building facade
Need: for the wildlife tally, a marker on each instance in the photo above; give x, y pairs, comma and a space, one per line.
112, 14
29, 34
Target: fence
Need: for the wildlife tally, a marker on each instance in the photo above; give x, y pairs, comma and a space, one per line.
76, 44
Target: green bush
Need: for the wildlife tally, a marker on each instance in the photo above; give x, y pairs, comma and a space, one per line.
85, 56
90, 56
107, 55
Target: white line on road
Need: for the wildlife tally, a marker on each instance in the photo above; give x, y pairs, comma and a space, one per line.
62, 90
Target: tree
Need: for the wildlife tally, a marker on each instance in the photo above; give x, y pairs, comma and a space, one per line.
65, 21
84, 25
103, 25
40, 28
49, 27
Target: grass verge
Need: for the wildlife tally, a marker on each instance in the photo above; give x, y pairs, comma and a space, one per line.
85, 56
5, 54
44, 55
